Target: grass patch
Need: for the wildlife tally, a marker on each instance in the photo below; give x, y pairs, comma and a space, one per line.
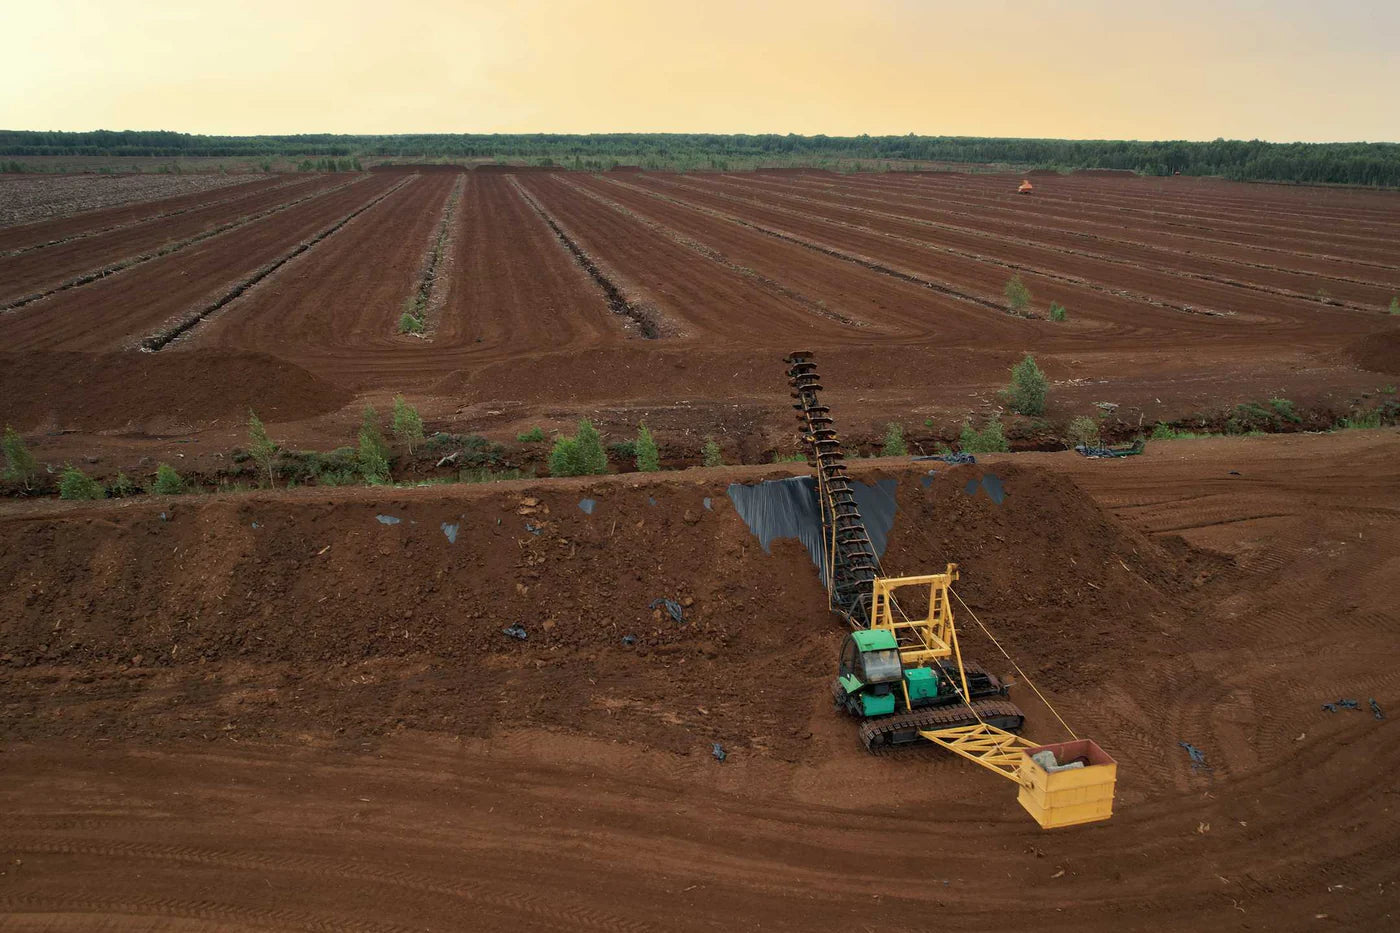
533, 436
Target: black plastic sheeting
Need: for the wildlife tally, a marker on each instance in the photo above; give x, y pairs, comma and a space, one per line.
787, 508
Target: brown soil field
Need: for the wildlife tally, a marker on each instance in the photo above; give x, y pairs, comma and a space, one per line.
36, 204
297, 710
1185, 296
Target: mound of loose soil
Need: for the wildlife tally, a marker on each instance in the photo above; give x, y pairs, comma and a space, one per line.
412, 589
126, 391
1378, 353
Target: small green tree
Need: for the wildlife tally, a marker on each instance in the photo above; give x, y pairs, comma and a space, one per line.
168, 482
1018, 297
711, 454
373, 455
990, 440
1084, 432
261, 447
1058, 312
564, 458
122, 486
580, 455
533, 436
408, 424
20, 465
894, 441
1028, 388
75, 484
648, 457
590, 449
1395, 304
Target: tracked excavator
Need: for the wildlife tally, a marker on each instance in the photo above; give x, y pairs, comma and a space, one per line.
900, 671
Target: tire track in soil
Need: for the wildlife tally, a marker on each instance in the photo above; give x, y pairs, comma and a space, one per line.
1093, 256
116, 312
129, 212
991, 209
1018, 267
719, 258
643, 318
162, 338
512, 904
164, 215
1043, 206
826, 249
165, 250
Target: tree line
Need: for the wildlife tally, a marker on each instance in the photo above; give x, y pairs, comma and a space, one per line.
1357, 163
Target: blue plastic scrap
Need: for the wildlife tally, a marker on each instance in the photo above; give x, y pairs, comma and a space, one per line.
587, 505
990, 483
787, 508
651, 500
629, 639
719, 752
1198, 757
516, 631
707, 502
387, 519
948, 458
673, 607
1340, 705
450, 531
927, 479
533, 529
1376, 709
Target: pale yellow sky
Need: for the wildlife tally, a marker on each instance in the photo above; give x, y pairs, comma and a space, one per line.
1290, 70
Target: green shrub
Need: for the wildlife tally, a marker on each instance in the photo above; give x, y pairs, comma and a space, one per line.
20, 465
1028, 388
75, 484
590, 449
990, 440
168, 482
1395, 304
1084, 432
710, 454
1165, 432
1253, 418
580, 455
780, 457
894, 441
1018, 297
122, 487
373, 456
648, 456
1058, 312
1285, 410
623, 450
408, 424
564, 459
486, 475
1361, 421
261, 447
411, 324
533, 436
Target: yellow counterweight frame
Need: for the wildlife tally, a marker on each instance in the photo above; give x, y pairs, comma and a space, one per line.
1055, 798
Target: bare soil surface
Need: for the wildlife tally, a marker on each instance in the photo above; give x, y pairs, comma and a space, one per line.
1185, 298
30, 200
284, 711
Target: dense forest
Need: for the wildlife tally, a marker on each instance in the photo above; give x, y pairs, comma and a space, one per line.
1341, 163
